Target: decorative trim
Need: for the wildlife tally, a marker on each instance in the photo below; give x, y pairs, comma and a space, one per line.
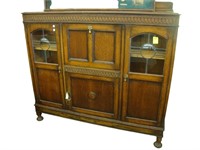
92, 71
142, 19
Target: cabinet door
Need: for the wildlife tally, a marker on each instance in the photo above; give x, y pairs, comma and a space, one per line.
93, 95
44, 54
92, 45
146, 73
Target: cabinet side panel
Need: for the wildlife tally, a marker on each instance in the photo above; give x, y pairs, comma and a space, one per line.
143, 100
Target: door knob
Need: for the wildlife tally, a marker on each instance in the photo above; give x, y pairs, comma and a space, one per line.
92, 95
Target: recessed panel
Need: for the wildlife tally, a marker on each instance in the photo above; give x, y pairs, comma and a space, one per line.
49, 85
93, 94
104, 46
143, 99
78, 44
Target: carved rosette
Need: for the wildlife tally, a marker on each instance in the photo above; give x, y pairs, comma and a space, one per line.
159, 20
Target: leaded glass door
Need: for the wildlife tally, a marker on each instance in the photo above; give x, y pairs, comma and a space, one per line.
47, 64
146, 57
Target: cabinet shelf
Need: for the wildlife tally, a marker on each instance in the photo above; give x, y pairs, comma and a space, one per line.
137, 53
52, 48
138, 48
49, 47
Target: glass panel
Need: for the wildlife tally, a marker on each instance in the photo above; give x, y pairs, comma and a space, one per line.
44, 46
147, 54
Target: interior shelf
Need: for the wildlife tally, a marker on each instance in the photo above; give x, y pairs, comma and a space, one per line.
158, 54
51, 46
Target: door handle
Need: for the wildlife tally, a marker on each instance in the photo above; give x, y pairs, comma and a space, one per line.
90, 29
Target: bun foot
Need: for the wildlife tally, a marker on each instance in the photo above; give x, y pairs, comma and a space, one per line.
158, 143
40, 118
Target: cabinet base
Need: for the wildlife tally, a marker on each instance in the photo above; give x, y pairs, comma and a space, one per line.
156, 131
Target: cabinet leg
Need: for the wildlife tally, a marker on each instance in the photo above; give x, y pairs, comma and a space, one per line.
39, 114
158, 143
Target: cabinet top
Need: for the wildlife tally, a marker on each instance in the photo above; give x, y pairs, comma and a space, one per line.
103, 16
162, 16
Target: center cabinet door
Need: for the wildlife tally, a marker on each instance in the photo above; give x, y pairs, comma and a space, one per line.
92, 66
92, 45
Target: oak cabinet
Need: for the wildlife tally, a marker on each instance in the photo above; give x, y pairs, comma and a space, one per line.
110, 67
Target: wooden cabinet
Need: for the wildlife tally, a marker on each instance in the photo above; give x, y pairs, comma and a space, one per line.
110, 67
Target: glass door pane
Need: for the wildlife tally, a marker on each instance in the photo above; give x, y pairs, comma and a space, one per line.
147, 54
44, 46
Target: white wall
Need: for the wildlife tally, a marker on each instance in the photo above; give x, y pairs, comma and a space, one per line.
19, 129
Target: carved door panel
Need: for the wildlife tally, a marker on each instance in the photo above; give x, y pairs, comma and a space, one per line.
44, 50
146, 71
92, 45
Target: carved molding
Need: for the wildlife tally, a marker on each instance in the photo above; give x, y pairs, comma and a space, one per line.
92, 71
167, 20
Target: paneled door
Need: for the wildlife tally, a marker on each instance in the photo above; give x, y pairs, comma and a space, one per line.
92, 45
147, 53
92, 66
45, 54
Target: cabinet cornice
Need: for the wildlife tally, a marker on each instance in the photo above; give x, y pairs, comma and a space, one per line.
138, 19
